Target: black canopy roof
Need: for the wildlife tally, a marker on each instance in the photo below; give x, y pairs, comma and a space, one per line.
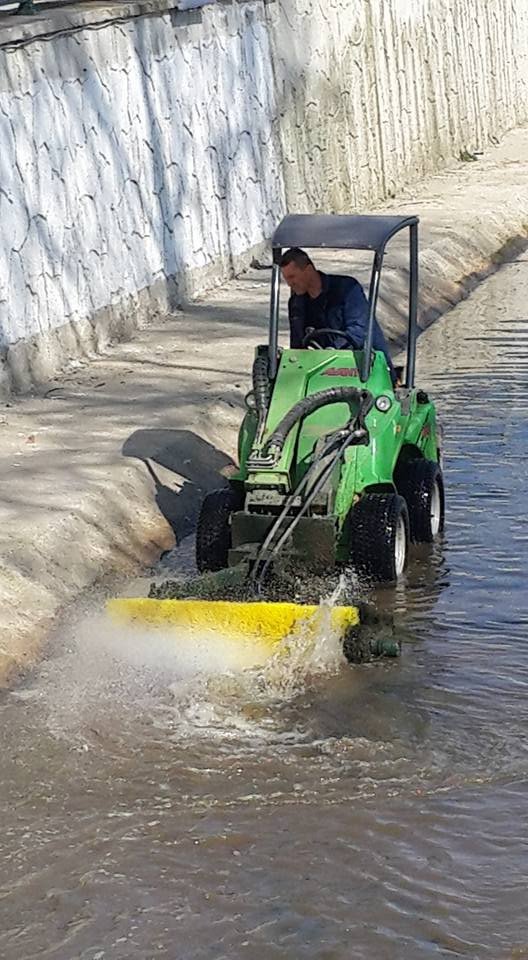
338, 231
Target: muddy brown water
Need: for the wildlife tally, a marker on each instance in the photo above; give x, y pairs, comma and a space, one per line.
160, 802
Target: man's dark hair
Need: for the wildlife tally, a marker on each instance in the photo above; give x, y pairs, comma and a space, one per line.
297, 256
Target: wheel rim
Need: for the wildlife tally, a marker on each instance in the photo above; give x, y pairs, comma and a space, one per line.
400, 547
435, 510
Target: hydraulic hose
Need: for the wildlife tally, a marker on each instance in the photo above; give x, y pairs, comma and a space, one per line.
336, 444
261, 384
269, 550
309, 404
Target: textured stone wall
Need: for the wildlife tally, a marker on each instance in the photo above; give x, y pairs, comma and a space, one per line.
134, 154
143, 157
377, 93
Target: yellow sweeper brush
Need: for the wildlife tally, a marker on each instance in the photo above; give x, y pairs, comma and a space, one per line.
213, 607
258, 622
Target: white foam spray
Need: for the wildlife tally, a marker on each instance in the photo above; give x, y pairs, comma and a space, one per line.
195, 685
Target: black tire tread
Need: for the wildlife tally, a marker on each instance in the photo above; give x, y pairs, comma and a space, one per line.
372, 531
415, 482
213, 532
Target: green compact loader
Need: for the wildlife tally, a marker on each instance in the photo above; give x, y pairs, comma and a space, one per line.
338, 465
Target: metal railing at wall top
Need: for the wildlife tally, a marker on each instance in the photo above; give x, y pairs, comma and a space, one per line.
29, 7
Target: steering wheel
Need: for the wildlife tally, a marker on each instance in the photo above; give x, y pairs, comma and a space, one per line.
311, 335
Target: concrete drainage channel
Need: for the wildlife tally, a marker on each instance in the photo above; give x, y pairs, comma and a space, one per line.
162, 798
105, 465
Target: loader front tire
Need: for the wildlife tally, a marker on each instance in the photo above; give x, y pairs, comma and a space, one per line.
379, 537
213, 533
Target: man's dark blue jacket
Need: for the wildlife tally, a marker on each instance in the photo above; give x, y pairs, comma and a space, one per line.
342, 305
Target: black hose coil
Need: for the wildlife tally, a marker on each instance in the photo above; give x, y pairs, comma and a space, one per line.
261, 383
309, 404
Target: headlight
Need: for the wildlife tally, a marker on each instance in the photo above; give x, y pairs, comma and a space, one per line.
383, 404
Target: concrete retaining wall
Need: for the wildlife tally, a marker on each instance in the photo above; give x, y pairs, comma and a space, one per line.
145, 152
377, 94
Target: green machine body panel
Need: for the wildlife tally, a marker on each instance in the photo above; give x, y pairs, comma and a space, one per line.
286, 468
406, 426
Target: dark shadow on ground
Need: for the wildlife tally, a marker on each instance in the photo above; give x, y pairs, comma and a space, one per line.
184, 453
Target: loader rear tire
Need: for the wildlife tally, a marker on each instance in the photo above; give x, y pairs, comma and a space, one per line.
421, 484
213, 533
379, 537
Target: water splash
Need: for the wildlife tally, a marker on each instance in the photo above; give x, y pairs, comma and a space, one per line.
315, 647
195, 684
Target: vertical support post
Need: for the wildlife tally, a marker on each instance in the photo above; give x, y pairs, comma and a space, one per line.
274, 315
373, 301
413, 306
